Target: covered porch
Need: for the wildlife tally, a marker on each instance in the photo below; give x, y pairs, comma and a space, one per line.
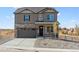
45, 30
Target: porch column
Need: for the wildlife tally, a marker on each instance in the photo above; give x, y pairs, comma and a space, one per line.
55, 28
37, 30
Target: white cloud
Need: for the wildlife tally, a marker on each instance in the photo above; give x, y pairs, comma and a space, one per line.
73, 20
10, 17
16, 7
58, 14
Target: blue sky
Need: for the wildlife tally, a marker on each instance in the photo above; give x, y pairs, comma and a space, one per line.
7, 17
68, 17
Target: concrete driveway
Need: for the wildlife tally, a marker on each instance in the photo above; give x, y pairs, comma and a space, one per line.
29, 43
5, 40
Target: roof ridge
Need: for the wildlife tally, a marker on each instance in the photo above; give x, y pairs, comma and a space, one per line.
34, 9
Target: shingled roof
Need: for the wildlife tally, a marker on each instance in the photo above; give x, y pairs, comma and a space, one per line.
33, 9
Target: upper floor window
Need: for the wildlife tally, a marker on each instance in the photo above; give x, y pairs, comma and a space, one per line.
50, 17
40, 17
26, 17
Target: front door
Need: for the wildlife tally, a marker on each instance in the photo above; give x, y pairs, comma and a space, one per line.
40, 30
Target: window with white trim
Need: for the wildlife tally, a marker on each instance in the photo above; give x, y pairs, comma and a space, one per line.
40, 17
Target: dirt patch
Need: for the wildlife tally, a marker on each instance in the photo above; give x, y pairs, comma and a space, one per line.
7, 33
52, 43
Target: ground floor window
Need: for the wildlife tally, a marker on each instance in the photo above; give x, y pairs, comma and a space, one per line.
50, 29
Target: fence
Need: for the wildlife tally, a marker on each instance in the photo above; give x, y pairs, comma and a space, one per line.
69, 38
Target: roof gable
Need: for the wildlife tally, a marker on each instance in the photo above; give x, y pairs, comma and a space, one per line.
48, 10
26, 11
35, 10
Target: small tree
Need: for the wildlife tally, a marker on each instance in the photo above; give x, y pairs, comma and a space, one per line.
64, 31
77, 29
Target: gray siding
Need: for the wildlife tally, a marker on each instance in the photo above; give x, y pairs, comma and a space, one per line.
19, 18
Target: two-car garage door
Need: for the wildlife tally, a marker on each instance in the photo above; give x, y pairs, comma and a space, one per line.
26, 33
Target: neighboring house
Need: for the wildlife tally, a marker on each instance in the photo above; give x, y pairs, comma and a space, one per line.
33, 22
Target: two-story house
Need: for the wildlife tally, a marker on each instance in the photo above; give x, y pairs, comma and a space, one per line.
33, 22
